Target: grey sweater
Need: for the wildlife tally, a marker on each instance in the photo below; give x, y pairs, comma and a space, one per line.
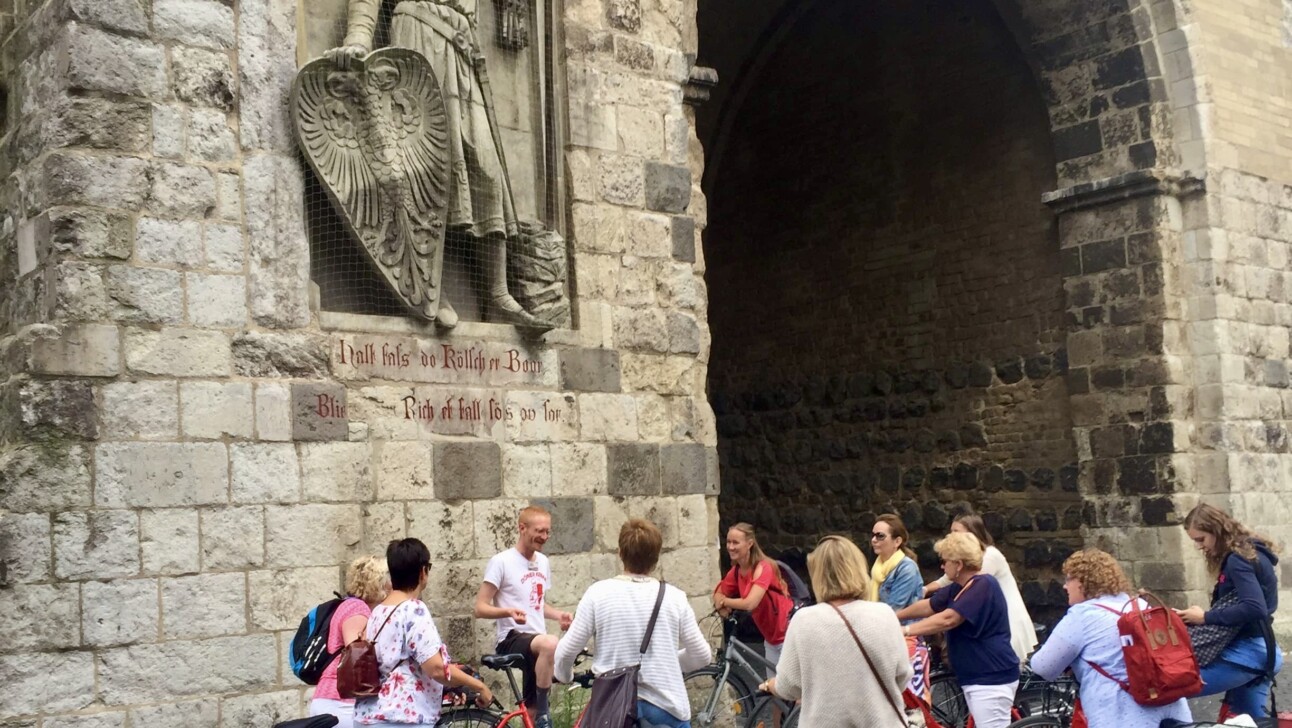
822, 667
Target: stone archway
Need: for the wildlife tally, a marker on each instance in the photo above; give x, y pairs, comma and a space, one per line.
899, 322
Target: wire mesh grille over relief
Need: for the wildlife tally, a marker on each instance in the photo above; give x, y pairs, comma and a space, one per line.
437, 200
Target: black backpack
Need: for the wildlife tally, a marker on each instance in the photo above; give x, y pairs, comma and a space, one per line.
309, 655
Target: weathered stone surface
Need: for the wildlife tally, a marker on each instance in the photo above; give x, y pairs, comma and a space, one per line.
98, 544
119, 612
336, 471
147, 410
590, 370
266, 67
99, 61
319, 412
264, 473
144, 295
216, 301
404, 471
467, 470
25, 548
233, 538
214, 410
447, 528
90, 233
202, 77
251, 711
279, 253
93, 123
683, 232
273, 412
668, 187
210, 138
206, 23
176, 243
92, 720
61, 405
279, 598
130, 16
318, 534
46, 682
632, 469
178, 352
225, 248
44, 478
228, 186
114, 182
610, 417
196, 713
168, 541
626, 15
41, 616
130, 475
170, 129
621, 180
180, 190
578, 469
148, 673
85, 350
683, 469
263, 354
206, 605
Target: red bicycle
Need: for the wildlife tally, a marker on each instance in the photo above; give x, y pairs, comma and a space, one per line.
458, 712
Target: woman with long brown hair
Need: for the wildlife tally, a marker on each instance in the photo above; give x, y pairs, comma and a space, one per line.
755, 585
1245, 597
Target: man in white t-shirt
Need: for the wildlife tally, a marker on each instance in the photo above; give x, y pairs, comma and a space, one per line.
513, 594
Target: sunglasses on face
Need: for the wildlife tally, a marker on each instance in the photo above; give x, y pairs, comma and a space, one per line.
877, 536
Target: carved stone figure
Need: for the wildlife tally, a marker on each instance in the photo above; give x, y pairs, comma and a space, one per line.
436, 160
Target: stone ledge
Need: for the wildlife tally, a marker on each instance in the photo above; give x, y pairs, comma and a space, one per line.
1143, 183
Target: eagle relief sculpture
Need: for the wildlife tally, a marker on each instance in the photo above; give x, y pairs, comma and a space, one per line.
406, 142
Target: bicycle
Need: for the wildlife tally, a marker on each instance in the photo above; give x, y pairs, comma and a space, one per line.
724, 694
454, 715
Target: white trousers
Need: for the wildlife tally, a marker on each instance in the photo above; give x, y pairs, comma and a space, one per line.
342, 709
990, 704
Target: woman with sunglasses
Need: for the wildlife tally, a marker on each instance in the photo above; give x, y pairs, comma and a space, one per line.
973, 614
895, 581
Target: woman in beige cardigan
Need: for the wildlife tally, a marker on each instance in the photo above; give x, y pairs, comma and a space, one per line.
822, 664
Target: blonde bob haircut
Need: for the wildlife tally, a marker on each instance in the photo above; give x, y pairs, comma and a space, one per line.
368, 579
838, 570
962, 547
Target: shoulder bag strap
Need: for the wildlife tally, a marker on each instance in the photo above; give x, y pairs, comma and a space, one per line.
1123, 685
388, 616
900, 713
654, 615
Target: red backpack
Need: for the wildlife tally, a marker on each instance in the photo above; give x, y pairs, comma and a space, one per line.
1160, 666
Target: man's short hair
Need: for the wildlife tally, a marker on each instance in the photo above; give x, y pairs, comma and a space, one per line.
639, 545
529, 512
406, 557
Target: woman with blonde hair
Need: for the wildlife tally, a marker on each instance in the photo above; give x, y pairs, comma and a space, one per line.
973, 614
367, 582
844, 657
755, 585
1244, 598
1086, 640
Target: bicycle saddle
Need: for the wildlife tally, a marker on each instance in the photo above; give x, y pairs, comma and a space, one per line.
502, 662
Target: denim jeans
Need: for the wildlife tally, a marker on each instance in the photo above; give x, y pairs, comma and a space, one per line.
649, 714
1245, 688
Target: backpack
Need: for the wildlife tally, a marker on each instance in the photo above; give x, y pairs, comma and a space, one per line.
358, 675
1160, 664
309, 655
798, 589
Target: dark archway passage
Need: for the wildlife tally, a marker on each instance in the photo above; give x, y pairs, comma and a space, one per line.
887, 304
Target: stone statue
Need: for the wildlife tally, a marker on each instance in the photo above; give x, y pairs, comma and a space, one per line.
411, 152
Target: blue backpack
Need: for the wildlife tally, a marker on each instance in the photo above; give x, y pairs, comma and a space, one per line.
309, 655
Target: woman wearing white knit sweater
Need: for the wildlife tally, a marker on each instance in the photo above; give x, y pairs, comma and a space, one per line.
615, 613
844, 658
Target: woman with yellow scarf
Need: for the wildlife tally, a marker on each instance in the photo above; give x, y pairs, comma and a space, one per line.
895, 580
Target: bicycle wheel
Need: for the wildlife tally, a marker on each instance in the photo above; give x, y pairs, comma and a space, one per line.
1046, 699
1040, 721
468, 718
717, 703
948, 701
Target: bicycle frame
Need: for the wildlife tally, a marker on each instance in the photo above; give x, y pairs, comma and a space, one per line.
520, 710
745, 659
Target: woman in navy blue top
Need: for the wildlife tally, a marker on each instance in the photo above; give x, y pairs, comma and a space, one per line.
1243, 563
973, 613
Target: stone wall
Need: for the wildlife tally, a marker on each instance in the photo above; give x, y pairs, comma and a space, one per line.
887, 298
189, 452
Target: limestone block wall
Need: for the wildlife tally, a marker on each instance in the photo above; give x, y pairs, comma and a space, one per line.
190, 452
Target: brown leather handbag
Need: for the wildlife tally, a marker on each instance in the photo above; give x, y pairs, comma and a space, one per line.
359, 674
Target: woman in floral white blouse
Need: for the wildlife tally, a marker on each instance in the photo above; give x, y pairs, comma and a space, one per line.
414, 662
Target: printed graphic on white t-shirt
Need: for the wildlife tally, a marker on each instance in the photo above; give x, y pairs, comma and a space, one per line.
522, 584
